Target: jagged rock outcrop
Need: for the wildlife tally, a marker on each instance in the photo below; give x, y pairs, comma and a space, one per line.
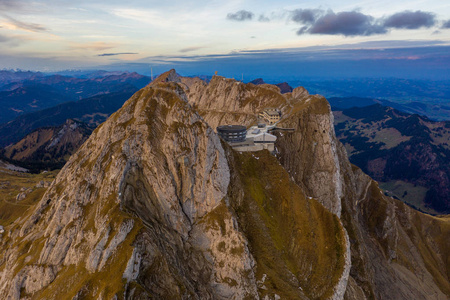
226, 101
155, 205
284, 86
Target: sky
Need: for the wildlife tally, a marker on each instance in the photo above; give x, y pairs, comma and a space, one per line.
233, 37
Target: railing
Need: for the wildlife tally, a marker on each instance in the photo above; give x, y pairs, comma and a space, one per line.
282, 129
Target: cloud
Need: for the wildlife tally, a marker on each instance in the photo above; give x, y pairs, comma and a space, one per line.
190, 49
306, 16
263, 18
11, 41
384, 49
95, 46
8, 5
355, 23
119, 53
402, 59
16, 24
350, 23
410, 20
23, 6
446, 25
242, 15
4, 39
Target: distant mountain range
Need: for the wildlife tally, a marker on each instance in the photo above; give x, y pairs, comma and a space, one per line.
92, 111
48, 147
9, 76
408, 154
284, 86
436, 111
24, 92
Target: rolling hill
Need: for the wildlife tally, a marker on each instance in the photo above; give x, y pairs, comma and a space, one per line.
92, 111
408, 154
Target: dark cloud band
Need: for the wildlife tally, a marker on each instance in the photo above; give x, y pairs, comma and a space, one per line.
190, 49
346, 23
355, 23
120, 53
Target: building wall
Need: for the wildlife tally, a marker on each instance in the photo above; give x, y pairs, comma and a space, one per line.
256, 147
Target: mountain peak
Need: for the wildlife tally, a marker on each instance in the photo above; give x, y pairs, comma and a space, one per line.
169, 76
257, 81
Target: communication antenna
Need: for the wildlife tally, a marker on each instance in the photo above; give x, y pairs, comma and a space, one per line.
151, 71
242, 77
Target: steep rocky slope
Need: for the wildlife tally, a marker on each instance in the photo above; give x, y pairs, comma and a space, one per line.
20, 191
394, 254
155, 205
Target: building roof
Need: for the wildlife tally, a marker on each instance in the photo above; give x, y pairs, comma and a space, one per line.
264, 136
231, 128
273, 113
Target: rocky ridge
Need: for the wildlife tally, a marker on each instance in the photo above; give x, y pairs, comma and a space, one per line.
154, 195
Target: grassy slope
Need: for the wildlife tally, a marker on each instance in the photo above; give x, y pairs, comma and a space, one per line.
295, 240
407, 192
10, 185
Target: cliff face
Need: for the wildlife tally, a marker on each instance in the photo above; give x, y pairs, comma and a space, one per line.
226, 101
154, 204
393, 254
